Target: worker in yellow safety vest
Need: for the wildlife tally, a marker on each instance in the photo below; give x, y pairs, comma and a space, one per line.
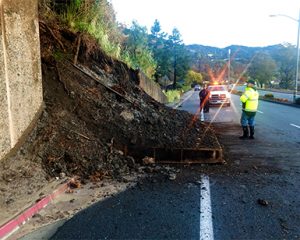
249, 101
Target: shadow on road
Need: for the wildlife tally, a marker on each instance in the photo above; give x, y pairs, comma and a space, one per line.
154, 209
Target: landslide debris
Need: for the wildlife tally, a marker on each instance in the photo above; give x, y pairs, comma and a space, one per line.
94, 110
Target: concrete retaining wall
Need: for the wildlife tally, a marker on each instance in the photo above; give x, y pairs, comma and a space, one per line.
152, 88
20, 71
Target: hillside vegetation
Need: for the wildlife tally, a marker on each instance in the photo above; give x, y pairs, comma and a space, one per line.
165, 58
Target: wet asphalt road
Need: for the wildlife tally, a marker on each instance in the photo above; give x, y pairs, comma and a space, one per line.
278, 122
239, 215
157, 209
166, 209
255, 196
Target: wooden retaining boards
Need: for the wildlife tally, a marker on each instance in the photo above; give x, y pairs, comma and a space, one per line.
188, 155
178, 155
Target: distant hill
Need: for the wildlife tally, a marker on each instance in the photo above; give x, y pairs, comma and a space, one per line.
237, 52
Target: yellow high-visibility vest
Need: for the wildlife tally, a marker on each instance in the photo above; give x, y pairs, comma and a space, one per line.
250, 100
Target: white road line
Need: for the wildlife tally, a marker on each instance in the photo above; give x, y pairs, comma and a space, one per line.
206, 226
294, 125
260, 111
180, 103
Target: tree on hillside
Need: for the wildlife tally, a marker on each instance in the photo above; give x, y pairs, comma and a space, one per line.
161, 53
262, 69
193, 77
156, 29
180, 56
239, 72
183, 62
175, 41
137, 46
170, 54
200, 61
286, 58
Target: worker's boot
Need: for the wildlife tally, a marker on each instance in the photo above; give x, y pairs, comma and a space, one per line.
251, 132
245, 133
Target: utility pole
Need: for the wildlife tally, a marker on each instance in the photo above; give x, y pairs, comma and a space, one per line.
229, 51
297, 66
175, 71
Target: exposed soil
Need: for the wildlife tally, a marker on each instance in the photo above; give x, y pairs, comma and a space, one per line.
94, 113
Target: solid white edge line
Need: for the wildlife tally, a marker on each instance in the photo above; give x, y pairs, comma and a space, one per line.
260, 111
180, 103
294, 125
206, 226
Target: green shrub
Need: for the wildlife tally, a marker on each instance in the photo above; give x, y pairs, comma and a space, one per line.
269, 95
186, 88
172, 95
97, 19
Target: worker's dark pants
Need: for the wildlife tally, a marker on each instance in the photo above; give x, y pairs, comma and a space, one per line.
247, 120
204, 105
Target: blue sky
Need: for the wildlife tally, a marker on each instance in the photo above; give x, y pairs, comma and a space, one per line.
217, 23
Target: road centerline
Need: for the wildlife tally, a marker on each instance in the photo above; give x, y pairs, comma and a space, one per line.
294, 125
206, 225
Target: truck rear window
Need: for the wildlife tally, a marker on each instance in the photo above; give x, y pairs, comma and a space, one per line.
217, 88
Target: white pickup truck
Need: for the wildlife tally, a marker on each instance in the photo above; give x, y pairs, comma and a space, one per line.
219, 95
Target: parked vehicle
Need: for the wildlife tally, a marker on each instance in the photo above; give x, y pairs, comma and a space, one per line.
219, 95
197, 88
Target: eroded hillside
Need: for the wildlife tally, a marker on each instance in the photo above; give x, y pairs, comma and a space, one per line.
94, 113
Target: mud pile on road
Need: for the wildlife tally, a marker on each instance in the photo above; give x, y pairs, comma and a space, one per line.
95, 111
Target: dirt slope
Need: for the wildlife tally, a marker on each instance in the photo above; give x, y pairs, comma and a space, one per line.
91, 117
93, 113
